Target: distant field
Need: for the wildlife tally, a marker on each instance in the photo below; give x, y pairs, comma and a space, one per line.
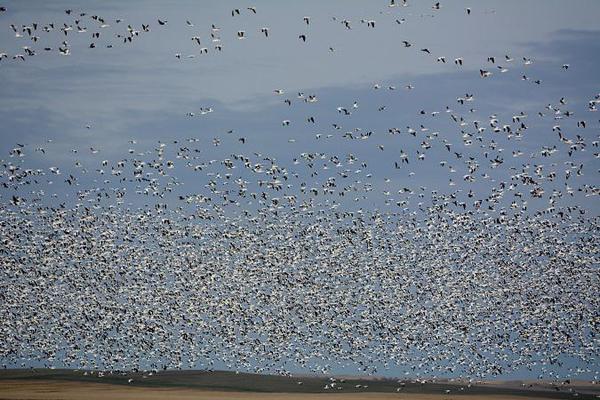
54, 390
68, 384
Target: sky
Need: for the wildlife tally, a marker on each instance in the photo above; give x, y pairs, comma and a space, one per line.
124, 101
140, 91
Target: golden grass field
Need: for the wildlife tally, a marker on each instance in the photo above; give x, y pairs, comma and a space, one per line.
56, 384
53, 390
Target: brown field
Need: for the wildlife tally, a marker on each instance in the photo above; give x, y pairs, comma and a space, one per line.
53, 390
46, 384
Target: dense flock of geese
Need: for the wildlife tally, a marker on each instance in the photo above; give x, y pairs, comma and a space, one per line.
167, 257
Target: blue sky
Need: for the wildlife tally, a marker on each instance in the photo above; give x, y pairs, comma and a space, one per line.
141, 91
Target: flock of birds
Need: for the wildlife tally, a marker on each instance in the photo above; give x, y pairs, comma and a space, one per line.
168, 257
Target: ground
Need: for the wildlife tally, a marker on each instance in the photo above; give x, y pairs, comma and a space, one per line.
70, 384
